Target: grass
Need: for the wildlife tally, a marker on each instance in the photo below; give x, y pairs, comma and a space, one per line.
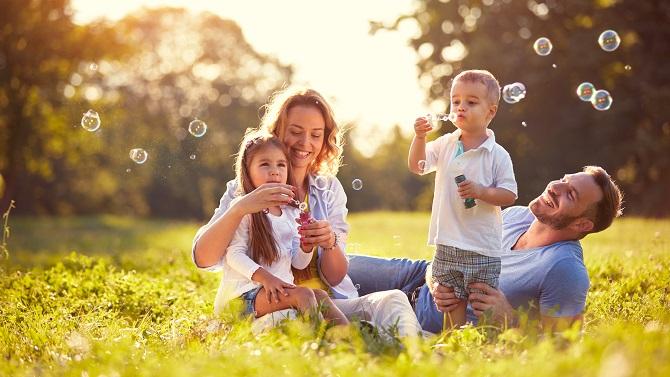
115, 296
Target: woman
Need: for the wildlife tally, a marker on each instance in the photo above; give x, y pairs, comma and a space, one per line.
304, 121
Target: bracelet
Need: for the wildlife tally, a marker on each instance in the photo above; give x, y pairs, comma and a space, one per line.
334, 243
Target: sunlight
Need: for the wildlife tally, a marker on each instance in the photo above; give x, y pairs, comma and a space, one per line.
372, 80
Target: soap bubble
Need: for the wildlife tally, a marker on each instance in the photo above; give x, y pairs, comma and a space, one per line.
192, 157
321, 182
90, 121
627, 67
542, 46
357, 184
197, 128
328, 196
138, 155
585, 91
609, 40
601, 100
513, 93
524, 124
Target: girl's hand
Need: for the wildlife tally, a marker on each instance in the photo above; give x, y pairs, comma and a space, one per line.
470, 189
275, 288
316, 233
264, 196
422, 126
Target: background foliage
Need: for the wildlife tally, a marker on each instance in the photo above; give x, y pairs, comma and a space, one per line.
158, 69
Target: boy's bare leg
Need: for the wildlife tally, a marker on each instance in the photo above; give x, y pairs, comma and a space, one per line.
332, 312
457, 316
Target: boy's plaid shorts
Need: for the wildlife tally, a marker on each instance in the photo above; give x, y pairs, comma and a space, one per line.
457, 268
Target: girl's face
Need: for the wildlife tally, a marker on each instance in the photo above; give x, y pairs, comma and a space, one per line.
304, 135
268, 165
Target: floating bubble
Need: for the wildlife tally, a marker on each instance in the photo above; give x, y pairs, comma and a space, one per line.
524, 124
357, 184
554, 65
443, 117
93, 67
513, 93
302, 206
192, 157
609, 40
627, 67
585, 91
543, 46
138, 155
321, 182
422, 165
128, 170
197, 128
601, 100
328, 196
90, 121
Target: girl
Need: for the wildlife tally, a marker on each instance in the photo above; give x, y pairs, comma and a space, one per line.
266, 243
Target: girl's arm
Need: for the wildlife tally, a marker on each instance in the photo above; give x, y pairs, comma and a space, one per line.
236, 254
212, 240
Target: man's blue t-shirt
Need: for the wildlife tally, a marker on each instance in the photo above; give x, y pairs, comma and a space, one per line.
550, 280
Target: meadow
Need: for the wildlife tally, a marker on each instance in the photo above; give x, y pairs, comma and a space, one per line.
111, 296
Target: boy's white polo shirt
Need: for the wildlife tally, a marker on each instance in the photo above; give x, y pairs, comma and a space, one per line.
479, 228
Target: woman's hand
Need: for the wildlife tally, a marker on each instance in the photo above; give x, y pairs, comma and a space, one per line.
264, 196
316, 233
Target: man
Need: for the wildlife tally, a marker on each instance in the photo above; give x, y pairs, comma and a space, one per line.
543, 271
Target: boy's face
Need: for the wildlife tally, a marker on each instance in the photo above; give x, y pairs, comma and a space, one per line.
470, 102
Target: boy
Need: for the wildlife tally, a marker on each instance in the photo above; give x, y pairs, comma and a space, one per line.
474, 178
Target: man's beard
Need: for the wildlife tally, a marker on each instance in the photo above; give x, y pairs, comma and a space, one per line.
555, 222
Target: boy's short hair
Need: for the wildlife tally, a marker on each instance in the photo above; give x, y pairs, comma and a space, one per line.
485, 77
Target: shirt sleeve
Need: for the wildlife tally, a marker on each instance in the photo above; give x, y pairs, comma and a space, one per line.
224, 203
300, 259
337, 212
564, 289
504, 173
236, 254
433, 151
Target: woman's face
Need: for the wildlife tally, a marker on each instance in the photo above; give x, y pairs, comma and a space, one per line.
304, 135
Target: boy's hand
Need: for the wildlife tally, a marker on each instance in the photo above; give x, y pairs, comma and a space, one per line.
274, 287
470, 189
421, 127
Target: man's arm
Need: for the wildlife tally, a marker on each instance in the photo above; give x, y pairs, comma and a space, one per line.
494, 300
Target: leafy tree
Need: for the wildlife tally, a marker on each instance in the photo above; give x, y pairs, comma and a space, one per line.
631, 140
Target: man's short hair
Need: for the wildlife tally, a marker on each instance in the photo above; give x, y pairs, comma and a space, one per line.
485, 77
602, 213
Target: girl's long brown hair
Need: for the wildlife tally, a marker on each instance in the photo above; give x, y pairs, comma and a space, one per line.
262, 244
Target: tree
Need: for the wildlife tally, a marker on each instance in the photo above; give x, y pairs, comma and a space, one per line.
631, 140
40, 47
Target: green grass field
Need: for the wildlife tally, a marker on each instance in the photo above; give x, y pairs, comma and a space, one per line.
120, 297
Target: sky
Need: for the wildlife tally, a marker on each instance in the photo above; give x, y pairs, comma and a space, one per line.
372, 80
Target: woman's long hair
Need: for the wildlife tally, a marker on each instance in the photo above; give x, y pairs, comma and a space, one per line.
275, 121
262, 244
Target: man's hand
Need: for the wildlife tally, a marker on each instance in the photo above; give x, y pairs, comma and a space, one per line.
492, 300
444, 297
